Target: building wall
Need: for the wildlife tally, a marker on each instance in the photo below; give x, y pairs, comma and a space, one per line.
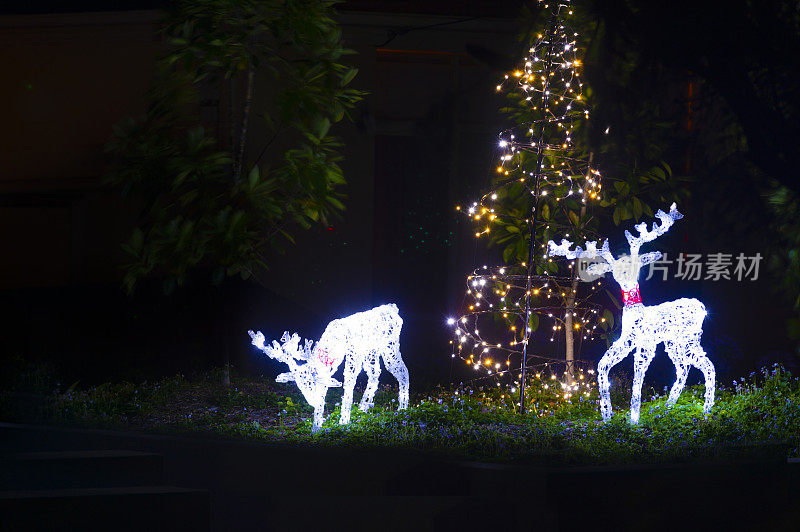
69, 78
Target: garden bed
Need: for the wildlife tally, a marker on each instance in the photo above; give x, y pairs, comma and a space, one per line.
757, 418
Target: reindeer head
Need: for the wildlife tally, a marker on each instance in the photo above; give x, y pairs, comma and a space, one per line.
312, 378
625, 269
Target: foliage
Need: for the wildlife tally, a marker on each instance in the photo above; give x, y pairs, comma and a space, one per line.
744, 54
214, 197
756, 416
20, 375
785, 258
633, 194
721, 100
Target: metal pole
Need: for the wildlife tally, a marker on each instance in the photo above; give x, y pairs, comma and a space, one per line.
534, 211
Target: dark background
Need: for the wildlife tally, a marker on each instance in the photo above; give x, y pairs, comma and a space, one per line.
422, 141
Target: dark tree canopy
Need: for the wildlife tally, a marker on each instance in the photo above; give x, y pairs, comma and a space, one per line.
213, 196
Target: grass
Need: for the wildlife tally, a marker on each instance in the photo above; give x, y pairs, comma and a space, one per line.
755, 417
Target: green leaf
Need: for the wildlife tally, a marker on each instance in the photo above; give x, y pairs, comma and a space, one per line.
508, 253
522, 249
533, 322
336, 203
312, 214
338, 111
573, 217
323, 128
253, 177
545, 212
609, 317
348, 76
637, 208
287, 236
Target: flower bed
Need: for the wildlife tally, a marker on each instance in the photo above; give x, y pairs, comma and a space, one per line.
757, 417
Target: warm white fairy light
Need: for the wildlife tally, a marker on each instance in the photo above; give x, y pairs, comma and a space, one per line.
678, 324
549, 83
361, 340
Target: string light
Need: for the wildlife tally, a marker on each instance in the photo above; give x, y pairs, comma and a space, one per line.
678, 324
361, 340
500, 299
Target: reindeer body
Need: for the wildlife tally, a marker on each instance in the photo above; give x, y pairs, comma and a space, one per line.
356, 340
361, 341
663, 322
677, 324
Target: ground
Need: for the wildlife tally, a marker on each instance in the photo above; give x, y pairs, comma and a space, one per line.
756, 417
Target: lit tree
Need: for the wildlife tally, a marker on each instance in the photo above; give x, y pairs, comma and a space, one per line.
545, 182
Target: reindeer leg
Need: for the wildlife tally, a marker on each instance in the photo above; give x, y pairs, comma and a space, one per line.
642, 359
702, 363
372, 366
350, 376
681, 372
615, 353
397, 367
318, 419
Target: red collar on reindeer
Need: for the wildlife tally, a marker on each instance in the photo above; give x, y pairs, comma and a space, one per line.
322, 355
632, 297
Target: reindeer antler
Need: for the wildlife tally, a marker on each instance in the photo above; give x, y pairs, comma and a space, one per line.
257, 339
291, 346
564, 249
289, 349
667, 219
590, 252
272, 351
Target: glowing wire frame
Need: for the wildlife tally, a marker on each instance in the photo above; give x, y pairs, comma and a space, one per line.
361, 341
678, 324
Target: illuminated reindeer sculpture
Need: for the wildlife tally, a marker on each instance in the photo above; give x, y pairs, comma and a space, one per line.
361, 341
678, 324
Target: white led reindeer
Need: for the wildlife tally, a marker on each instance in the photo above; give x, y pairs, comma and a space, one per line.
678, 324
361, 341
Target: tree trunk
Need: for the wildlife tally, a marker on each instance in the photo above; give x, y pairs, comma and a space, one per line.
569, 323
248, 99
238, 162
569, 326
